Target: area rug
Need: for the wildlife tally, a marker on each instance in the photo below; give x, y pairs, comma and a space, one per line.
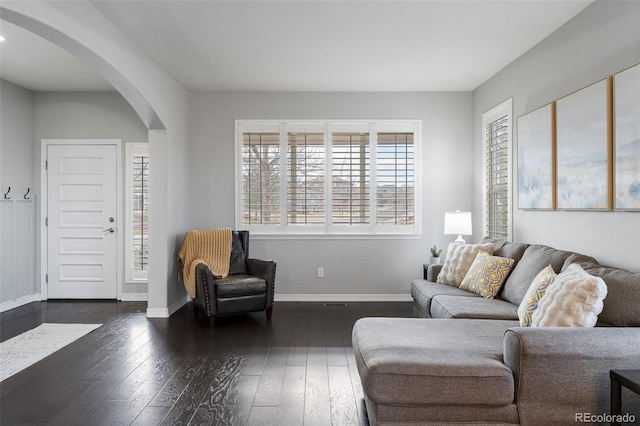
27, 348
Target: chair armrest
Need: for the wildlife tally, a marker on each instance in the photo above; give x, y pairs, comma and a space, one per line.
562, 371
265, 269
205, 290
433, 271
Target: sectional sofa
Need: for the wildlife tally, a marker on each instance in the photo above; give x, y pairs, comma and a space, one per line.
468, 360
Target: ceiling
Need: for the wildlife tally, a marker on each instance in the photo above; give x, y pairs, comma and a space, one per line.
304, 45
32, 62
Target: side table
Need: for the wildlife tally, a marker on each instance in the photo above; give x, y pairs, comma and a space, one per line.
630, 379
425, 269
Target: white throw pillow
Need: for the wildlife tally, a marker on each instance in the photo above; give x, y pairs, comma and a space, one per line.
458, 261
574, 299
535, 292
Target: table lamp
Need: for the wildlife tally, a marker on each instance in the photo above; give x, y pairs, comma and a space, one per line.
457, 223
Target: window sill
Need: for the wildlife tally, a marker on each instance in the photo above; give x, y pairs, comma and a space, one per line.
258, 236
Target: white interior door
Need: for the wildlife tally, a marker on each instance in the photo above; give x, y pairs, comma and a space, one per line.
81, 216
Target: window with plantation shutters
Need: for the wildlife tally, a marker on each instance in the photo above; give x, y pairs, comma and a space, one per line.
137, 206
328, 177
497, 168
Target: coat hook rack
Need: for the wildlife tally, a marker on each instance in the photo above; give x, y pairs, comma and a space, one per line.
6, 194
27, 193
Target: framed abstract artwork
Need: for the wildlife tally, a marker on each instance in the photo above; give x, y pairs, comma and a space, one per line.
627, 139
582, 149
535, 159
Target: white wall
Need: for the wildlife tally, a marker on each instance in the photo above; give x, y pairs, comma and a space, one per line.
600, 41
16, 137
17, 227
87, 115
365, 267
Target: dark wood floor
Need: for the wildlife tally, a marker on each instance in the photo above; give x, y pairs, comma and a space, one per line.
297, 369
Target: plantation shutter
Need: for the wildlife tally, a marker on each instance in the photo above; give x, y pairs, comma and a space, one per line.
395, 179
305, 178
261, 178
140, 217
350, 153
497, 178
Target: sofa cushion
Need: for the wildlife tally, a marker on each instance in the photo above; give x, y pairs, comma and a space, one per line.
535, 259
458, 261
578, 258
574, 299
472, 307
424, 291
507, 249
486, 274
535, 292
413, 361
622, 305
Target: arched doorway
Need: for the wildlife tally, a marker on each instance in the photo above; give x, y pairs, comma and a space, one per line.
85, 33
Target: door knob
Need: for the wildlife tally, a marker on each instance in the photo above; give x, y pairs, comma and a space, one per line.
109, 230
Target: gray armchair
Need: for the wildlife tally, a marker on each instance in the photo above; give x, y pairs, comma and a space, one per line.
249, 287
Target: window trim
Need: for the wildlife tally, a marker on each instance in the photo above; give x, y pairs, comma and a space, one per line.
504, 108
329, 229
131, 276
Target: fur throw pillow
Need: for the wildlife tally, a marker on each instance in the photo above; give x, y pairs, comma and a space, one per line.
573, 299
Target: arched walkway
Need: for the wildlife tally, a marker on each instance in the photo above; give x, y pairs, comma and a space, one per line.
81, 30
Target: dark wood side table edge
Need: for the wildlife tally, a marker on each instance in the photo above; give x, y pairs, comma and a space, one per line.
621, 378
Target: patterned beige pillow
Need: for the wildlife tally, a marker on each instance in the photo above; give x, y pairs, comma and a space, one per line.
573, 299
533, 295
458, 261
487, 274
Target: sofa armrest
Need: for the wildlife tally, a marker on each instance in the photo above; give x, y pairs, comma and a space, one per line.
560, 372
433, 271
265, 269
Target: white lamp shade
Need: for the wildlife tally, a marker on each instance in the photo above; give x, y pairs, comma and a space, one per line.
457, 223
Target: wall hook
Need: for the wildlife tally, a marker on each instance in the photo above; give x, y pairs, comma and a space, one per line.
6, 194
27, 193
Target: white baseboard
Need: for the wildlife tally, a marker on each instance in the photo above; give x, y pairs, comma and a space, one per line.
134, 297
167, 312
12, 304
157, 313
179, 304
342, 298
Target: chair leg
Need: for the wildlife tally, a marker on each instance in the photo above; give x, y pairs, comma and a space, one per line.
212, 321
269, 312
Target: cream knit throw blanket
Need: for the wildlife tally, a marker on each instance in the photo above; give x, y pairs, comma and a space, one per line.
209, 246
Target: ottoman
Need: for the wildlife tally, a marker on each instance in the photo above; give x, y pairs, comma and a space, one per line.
434, 371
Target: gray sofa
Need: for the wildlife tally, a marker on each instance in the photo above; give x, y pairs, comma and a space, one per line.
471, 362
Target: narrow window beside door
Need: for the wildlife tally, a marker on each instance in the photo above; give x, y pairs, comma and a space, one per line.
137, 205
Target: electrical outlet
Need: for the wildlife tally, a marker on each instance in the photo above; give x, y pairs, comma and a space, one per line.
320, 272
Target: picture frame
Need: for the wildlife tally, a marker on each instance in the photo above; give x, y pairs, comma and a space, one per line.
627, 139
536, 155
583, 149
